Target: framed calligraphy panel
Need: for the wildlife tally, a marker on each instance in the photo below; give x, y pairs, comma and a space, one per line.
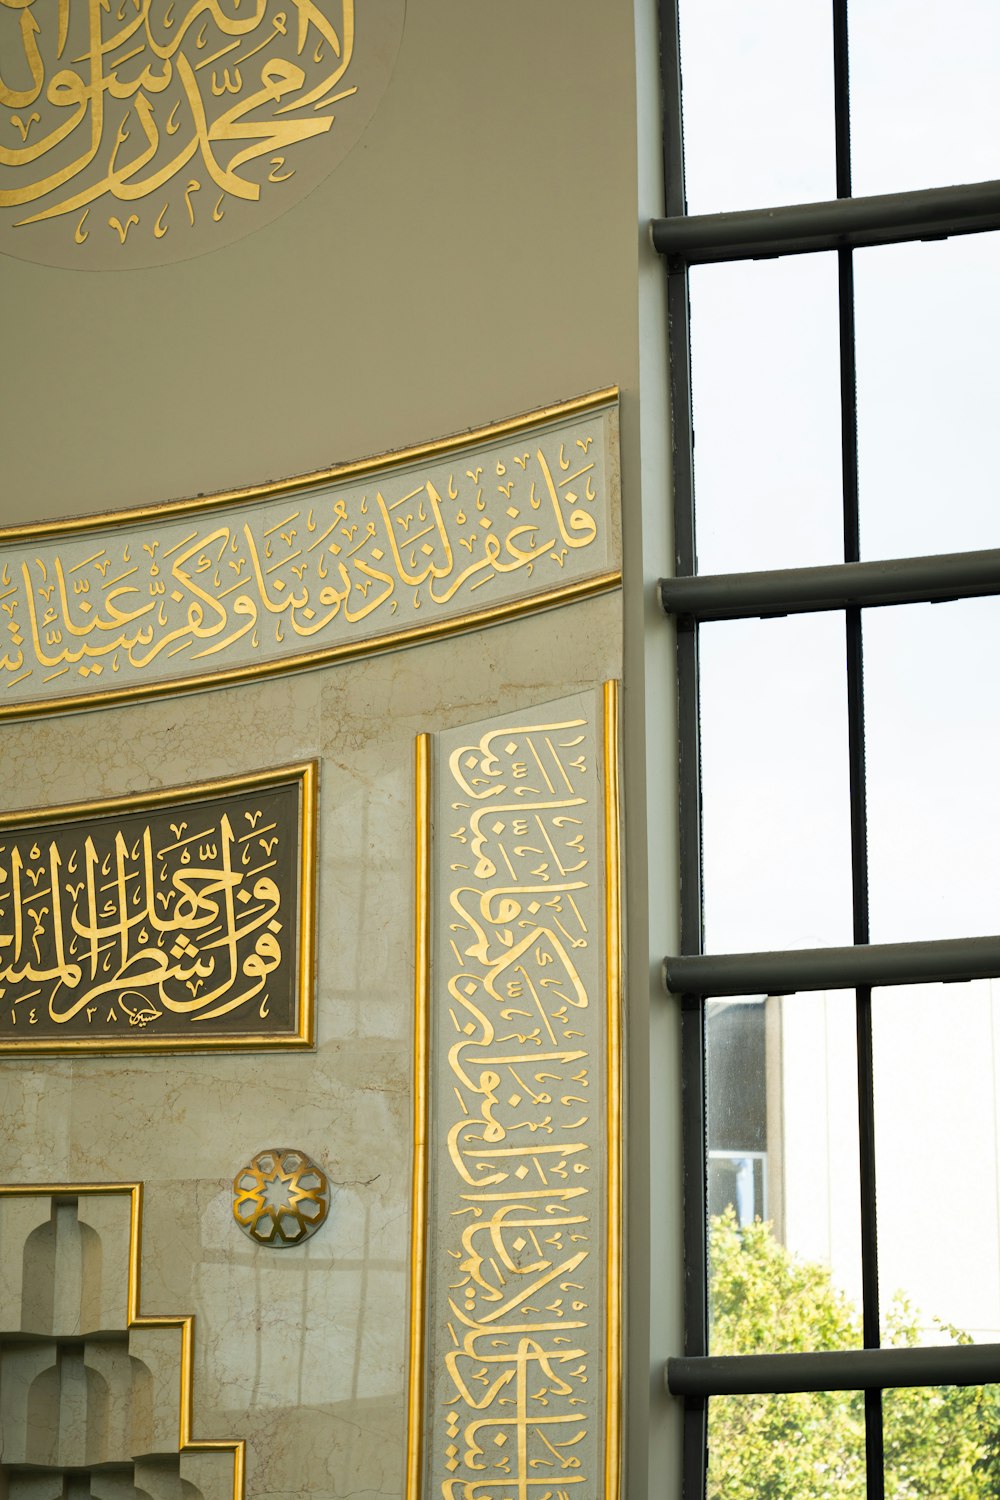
171, 921
367, 557
515, 1330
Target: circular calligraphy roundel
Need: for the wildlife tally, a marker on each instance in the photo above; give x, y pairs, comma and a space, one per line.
281, 1197
135, 132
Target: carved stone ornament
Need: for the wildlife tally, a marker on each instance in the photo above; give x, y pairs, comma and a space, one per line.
281, 1197
98, 1398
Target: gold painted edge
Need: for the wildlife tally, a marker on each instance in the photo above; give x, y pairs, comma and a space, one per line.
306, 978
542, 416
195, 791
585, 588
613, 984
306, 774
421, 1092
134, 1319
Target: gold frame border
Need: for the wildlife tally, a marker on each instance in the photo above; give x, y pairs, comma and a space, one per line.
421, 1105
134, 1319
306, 773
421, 1121
345, 651
614, 1019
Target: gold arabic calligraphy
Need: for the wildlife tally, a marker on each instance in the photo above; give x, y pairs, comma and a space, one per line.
143, 117
279, 581
179, 920
521, 1317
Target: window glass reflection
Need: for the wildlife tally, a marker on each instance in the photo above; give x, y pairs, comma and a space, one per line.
941, 1440
925, 108
775, 784
765, 380
810, 1446
932, 733
758, 103
928, 328
782, 1168
937, 1141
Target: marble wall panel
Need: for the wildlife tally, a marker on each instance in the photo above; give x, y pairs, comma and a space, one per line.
307, 1361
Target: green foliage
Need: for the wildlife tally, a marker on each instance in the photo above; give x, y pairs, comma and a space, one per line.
940, 1443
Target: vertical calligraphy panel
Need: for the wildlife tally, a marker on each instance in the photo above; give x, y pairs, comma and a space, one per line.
515, 1330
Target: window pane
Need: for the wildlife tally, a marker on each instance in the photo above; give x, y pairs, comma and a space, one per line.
925, 108
928, 328
809, 1446
775, 778
785, 1259
941, 1441
766, 391
758, 102
937, 1108
932, 709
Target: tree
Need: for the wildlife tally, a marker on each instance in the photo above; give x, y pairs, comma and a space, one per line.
940, 1443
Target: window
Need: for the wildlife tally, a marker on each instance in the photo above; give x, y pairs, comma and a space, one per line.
840, 898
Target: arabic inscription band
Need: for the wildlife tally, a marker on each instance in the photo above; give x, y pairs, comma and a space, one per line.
172, 921
460, 533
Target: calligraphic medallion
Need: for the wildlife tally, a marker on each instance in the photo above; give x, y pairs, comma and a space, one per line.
173, 920
134, 132
281, 1197
515, 1329
454, 535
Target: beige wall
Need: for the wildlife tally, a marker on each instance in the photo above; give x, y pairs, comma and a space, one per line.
474, 256
477, 254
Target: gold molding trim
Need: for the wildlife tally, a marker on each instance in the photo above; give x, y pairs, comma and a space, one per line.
590, 580
615, 1018
306, 774
421, 1048
134, 1319
417, 1414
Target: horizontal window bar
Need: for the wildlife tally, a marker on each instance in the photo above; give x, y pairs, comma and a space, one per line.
886, 218
838, 1370
785, 591
782, 973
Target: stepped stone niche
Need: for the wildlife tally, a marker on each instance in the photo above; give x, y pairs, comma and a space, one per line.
93, 1398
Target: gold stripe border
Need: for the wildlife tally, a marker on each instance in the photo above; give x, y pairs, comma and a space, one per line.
134, 1319
416, 1403
614, 1018
421, 1113
306, 773
346, 650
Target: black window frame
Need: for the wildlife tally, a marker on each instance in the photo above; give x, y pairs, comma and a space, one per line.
840, 225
